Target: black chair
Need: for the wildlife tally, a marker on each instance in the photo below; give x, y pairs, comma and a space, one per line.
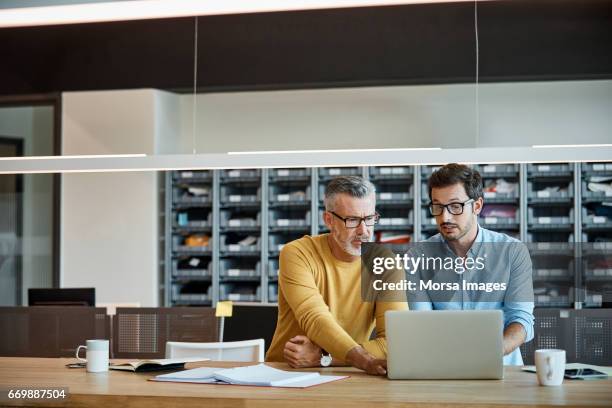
62, 297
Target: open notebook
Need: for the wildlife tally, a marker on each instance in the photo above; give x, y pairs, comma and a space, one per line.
260, 374
156, 365
573, 366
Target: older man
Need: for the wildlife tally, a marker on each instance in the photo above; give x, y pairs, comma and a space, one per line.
322, 319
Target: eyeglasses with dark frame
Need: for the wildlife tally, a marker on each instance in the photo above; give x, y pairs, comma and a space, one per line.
453, 208
354, 222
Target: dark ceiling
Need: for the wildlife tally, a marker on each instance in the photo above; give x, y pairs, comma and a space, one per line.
414, 44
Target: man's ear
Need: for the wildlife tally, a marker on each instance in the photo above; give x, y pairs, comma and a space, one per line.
477, 208
327, 219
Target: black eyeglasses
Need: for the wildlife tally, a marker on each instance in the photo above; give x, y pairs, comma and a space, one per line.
354, 222
453, 208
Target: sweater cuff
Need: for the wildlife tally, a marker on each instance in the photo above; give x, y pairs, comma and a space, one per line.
341, 347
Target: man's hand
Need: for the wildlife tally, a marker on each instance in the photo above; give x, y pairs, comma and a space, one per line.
358, 357
300, 352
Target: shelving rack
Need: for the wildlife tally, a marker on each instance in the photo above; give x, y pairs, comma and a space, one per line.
548, 206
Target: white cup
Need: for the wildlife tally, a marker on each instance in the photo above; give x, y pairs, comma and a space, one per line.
96, 355
550, 366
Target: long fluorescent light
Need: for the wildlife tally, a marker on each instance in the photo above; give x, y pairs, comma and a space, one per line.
72, 157
150, 9
570, 145
336, 150
320, 159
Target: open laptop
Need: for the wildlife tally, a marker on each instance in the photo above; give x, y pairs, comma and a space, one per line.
444, 344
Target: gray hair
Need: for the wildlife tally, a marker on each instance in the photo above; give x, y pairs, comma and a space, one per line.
354, 186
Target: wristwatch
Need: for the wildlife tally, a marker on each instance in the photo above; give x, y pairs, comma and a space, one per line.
326, 358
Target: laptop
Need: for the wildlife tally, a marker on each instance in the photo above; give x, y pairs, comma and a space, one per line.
444, 344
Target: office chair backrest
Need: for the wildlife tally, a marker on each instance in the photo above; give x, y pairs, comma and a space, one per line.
61, 297
142, 332
246, 350
50, 331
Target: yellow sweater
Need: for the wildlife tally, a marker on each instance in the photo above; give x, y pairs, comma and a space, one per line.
319, 296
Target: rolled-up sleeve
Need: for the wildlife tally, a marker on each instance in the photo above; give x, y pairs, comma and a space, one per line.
519, 300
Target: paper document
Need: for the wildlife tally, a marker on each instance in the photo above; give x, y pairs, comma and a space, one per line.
258, 375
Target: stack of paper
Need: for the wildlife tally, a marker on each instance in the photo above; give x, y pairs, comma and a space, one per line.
260, 375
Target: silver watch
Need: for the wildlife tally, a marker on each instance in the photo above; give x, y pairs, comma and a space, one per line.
326, 359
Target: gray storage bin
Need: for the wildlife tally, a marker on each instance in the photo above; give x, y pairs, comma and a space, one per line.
192, 175
289, 173
395, 221
280, 219
384, 196
595, 221
390, 171
236, 269
552, 301
494, 170
177, 296
598, 195
543, 195
239, 292
181, 195
230, 194
182, 220
594, 300
602, 246
427, 170
276, 242
530, 239
551, 222
327, 172
226, 220
598, 273
273, 268
427, 220
229, 248
494, 195
551, 274
272, 292
424, 193
288, 194
499, 221
549, 169
597, 167
179, 246
204, 271
240, 173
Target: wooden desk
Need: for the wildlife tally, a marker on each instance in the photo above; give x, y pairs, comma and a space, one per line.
360, 390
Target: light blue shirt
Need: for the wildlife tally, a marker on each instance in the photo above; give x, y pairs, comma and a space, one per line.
512, 265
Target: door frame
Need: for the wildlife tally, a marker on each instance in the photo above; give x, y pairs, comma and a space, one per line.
54, 100
18, 143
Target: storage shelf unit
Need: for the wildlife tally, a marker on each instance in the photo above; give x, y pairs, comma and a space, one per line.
248, 215
189, 260
395, 203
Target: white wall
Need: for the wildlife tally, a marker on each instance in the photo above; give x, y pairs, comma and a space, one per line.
34, 125
109, 221
511, 114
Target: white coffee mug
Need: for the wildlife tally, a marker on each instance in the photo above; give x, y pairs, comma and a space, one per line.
550, 366
96, 355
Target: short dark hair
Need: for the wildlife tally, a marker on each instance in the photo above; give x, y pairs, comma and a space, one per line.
453, 173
